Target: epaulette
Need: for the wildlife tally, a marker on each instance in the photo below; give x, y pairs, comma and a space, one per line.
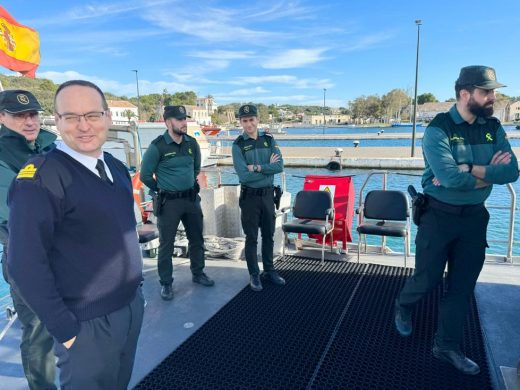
494, 119
240, 138
158, 139
30, 171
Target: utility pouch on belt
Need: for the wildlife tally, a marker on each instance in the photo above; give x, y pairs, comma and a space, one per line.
157, 201
277, 196
418, 204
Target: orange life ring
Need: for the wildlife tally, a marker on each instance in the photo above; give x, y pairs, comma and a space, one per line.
137, 188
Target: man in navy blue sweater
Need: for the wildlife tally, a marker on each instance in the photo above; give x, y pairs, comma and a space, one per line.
77, 263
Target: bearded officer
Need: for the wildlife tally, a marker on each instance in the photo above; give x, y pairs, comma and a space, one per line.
170, 168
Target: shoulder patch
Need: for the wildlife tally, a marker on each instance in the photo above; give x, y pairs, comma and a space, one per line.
238, 139
27, 172
30, 169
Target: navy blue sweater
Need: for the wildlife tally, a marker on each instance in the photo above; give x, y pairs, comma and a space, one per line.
73, 248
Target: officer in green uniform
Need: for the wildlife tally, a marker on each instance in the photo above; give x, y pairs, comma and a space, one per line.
174, 159
465, 152
20, 139
257, 158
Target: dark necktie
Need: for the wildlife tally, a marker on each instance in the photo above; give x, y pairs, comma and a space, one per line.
100, 166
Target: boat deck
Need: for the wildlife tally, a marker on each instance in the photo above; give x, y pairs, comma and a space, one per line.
169, 324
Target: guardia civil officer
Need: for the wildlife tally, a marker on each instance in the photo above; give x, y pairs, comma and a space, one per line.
465, 152
257, 158
20, 139
174, 158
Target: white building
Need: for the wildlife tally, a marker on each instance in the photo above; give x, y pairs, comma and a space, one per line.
121, 110
199, 114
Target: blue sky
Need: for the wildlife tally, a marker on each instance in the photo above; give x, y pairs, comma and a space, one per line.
273, 51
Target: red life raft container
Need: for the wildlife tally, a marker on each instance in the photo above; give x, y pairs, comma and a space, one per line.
342, 191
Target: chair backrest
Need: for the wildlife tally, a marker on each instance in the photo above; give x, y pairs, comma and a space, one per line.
387, 205
312, 204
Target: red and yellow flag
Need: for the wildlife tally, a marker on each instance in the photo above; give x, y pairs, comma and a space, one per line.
19, 46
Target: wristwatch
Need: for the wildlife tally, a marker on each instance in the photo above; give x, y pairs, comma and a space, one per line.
470, 166
255, 168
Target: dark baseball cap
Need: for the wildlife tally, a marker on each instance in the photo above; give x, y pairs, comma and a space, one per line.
247, 110
15, 101
478, 76
177, 112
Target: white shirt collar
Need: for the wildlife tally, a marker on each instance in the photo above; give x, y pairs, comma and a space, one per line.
87, 161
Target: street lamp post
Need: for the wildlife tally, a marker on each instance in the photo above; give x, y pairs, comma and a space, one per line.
324, 91
138, 99
418, 22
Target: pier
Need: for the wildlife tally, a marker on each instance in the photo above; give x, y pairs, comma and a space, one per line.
357, 136
353, 158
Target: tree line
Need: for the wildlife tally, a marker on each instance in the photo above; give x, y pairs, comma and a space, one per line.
394, 105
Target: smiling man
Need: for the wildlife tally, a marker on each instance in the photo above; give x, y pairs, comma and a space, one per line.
20, 139
465, 152
77, 263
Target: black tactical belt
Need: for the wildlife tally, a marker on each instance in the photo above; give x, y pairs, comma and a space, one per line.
257, 191
177, 194
453, 209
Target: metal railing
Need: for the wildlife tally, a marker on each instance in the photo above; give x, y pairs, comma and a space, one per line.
507, 257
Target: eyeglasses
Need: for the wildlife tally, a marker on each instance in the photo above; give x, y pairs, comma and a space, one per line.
91, 117
22, 116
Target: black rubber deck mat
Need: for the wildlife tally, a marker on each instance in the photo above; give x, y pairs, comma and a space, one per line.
331, 326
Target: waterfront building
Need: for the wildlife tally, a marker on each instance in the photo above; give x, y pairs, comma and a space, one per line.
122, 111
334, 119
514, 111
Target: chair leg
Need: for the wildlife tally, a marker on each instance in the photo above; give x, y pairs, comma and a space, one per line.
405, 247
323, 249
284, 244
358, 247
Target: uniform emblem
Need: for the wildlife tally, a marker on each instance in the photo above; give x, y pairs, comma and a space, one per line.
489, 138
246, 109
27, 172
22, 99
189, 151
266, 144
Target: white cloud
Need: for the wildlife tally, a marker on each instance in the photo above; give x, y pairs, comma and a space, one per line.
293, 81
223, 54
294, 58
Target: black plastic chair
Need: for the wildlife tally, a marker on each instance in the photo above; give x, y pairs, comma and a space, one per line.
385, 213
313, 213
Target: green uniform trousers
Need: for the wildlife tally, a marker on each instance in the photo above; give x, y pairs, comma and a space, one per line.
458, 239
39, 364
257, 211
190, 213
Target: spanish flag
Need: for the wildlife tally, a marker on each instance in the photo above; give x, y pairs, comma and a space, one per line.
19, 46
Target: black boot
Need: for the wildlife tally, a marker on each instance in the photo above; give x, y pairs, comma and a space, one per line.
403, 320
255, 283
167, 292
274, 277
457, 359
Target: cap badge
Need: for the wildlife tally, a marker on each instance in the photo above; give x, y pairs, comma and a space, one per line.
246, 109
22, 99
490, 74
182, 110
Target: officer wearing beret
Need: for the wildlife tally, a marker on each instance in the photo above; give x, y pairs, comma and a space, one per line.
257, 158
465, 152
174, 158
20, 139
